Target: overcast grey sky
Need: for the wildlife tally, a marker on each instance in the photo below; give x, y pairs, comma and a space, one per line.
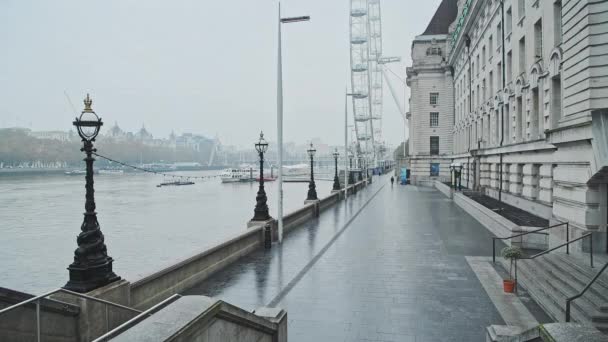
198, 66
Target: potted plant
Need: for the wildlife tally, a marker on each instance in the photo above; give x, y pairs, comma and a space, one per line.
512, 253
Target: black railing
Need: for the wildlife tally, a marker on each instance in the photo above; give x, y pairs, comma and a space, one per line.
589, 235
536, 231
570, 299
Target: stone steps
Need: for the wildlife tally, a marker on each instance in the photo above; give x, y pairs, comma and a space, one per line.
574, 274
548, 297
552, 278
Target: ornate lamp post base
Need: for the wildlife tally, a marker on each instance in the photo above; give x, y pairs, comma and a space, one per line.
90, 277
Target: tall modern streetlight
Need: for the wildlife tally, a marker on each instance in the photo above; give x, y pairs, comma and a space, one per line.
92, 267
312, 188
280, 114
336, 178
260, 213
351, 179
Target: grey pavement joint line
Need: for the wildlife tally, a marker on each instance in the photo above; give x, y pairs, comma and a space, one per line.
508, 305
311, 263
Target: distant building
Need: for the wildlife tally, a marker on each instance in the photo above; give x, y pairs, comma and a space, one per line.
526, 109
431, 116
53, 135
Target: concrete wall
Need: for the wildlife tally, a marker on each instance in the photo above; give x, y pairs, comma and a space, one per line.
59, 320
444, 189
200, 318
160, 285
183, 275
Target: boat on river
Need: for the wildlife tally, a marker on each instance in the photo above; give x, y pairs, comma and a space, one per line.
176, 183
111, 172
75, 173
235, 175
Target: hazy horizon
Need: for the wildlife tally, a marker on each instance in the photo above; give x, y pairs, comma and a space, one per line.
190, 66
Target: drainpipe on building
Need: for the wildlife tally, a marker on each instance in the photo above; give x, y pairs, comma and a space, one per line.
502, 108
467, 42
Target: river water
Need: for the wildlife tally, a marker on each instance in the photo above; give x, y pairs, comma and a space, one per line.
145, 227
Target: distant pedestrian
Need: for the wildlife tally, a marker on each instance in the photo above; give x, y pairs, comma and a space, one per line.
392, 180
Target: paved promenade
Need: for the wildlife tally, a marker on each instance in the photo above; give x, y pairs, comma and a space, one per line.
387, 265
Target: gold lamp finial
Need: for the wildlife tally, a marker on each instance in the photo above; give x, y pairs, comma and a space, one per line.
87, 103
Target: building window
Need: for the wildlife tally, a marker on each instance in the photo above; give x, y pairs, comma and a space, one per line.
477, 64
499, 33
434, 119
557, 22
484, 98
522, 55
491, 84
483, 55
538, 38
434, 98
490, 47
509, 66
433, 51
434, 145
509, 20
499, 76
521, 8
556, 101
434, 169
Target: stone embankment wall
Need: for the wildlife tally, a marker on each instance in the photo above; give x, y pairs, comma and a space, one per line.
160, 285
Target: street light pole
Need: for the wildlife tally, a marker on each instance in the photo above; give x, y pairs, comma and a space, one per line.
280, 116
336, 179
92, 267
312, 187
260, 213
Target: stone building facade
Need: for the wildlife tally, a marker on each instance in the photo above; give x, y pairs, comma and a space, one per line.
431, 115
530, 103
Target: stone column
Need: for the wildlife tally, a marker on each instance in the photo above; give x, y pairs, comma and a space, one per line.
494, 176
484, 174
515, 177
530, 181
545, 194
505, 177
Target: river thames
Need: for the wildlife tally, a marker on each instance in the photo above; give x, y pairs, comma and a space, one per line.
145, 227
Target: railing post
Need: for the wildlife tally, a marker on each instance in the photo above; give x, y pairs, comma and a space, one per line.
567, 310
38, 320
493, 250
568, 237
107, 319
591, 248
516, 275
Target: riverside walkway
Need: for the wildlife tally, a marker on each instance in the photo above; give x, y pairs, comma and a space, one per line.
386, 265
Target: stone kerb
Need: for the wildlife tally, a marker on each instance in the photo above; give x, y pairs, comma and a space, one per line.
498, 225
444, 189
160, 285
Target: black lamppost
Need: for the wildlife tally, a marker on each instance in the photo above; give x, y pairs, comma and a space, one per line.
92, 267
336, 179
312, 188
261, 207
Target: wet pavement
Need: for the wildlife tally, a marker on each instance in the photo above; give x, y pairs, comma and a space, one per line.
387, 265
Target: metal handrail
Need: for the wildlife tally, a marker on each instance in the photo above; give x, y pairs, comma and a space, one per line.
589, 235
76, 294
570, 299
137, 318
494, 238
